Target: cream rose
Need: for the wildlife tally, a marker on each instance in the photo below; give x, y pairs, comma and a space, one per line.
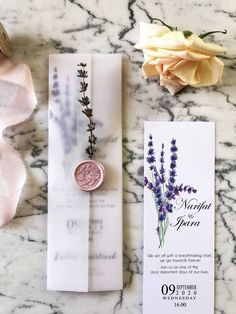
179, 61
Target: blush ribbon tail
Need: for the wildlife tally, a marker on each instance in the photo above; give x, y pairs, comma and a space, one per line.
17, 102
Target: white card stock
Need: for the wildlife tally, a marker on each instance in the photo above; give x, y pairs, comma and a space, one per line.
84, 229
179, 218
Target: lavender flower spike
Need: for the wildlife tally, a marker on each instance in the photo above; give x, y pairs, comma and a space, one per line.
172, 173
162, 168
151, 154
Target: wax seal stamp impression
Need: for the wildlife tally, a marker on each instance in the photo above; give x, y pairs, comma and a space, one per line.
89, 175
4, 42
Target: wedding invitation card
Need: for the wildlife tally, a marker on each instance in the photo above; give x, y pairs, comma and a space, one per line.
179, 217
84, 228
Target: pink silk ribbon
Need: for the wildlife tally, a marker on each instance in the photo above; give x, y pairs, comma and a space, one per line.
17, 102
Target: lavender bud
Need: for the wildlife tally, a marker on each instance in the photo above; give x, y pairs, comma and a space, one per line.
173, 149
151, 159
153, 189
174, 157
169, 207
155, 173
158, 195
162, 170
170, 187
162, 179
150, 151
176, 190
169, 195
162, 216
172, 173
157, 184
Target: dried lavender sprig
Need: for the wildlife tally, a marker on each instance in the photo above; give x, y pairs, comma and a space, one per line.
88, 111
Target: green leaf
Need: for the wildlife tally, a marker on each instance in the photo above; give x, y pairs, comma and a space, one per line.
187, 33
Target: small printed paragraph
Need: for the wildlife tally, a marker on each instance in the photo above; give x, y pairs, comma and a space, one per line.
183, 264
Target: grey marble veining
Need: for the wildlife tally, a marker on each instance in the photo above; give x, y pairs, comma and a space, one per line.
38, 28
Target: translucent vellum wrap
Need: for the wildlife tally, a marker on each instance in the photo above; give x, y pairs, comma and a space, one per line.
17, 102
84, 228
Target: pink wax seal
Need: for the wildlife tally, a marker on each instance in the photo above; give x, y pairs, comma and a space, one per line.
89, 175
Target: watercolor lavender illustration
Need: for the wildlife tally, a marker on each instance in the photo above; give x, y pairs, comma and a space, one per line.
163, 185
66, 117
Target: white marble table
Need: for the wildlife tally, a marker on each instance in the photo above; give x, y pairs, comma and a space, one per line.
38, 28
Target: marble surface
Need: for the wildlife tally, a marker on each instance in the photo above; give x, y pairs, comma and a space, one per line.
38, 28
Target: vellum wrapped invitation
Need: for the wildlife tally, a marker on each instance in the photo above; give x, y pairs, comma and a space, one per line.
84, 229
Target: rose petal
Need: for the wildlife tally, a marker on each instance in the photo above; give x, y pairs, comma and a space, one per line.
149, 70
184, 54
172, 40
174, 85
160, 37
210, 72
197, 74
197, 44
187, 71
152, 30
